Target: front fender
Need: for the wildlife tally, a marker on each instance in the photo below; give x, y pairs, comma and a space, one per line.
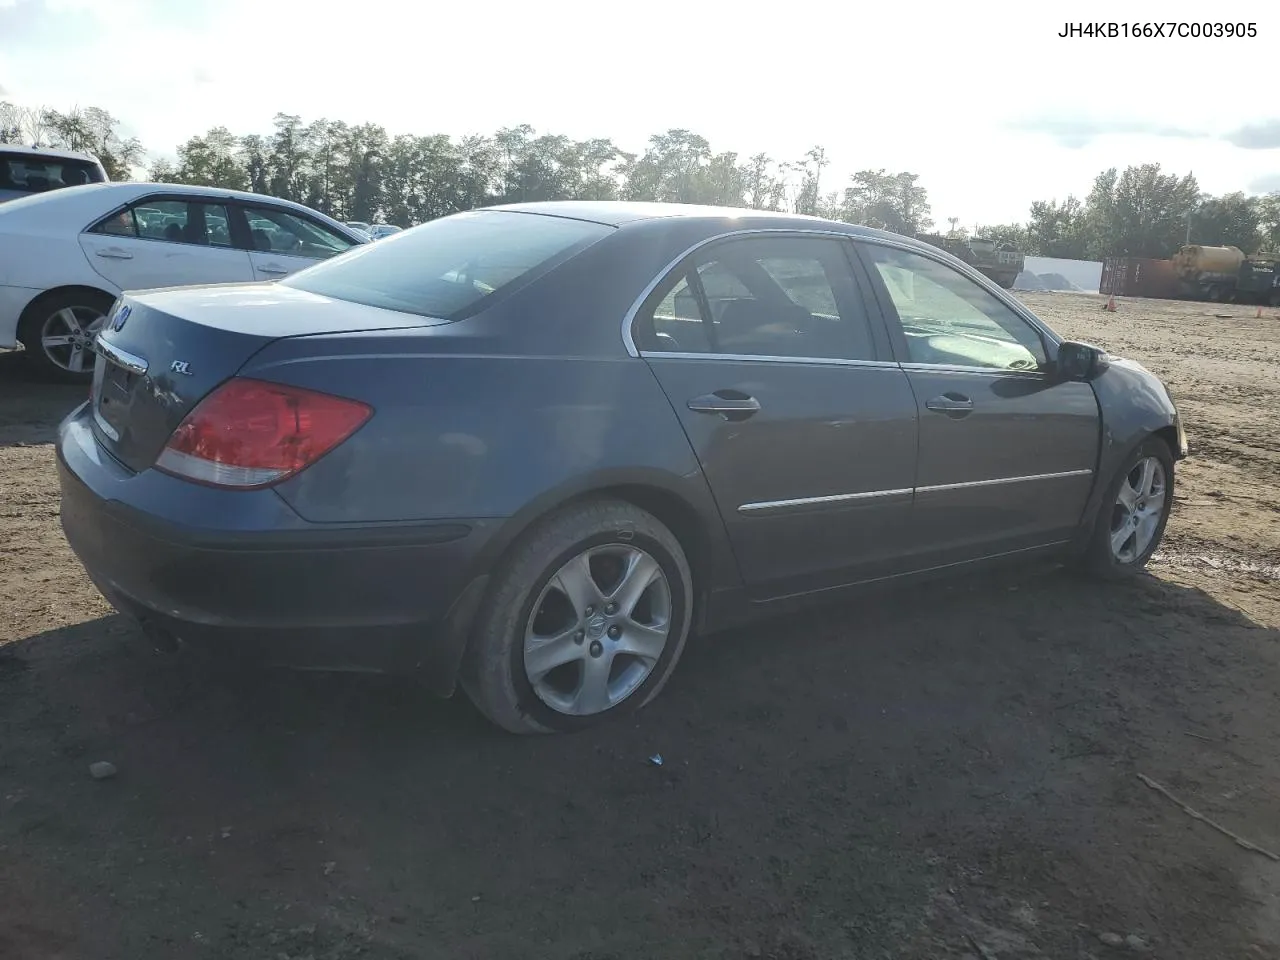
1135, 405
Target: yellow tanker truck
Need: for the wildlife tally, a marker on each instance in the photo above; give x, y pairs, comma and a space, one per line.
1227, 274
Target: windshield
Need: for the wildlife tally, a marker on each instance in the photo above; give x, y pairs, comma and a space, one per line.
22, 172
445, 267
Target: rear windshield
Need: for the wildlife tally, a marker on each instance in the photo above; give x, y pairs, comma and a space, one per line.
29, 173
444, 267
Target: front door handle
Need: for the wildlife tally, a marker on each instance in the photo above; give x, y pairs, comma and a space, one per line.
114, 253
272, 269
728, 403
952, 404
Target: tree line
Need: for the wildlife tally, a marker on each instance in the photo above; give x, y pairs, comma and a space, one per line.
361, 172
1144, 212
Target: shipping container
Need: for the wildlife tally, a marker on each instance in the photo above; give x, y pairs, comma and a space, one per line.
1139, 277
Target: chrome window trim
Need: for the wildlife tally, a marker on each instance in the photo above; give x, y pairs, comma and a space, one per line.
833, 361
162, 197
842, 362
960, 368
627, 320
985, 283
765, 505
121, 358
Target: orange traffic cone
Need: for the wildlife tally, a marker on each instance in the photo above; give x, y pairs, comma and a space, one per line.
1258, 315
1111, 304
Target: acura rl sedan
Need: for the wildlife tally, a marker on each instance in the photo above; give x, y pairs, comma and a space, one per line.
529, 450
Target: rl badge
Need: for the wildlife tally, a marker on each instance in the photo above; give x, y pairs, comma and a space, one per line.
180, 366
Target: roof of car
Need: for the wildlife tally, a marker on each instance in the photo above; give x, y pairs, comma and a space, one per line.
618, 213
47, 152
141, 187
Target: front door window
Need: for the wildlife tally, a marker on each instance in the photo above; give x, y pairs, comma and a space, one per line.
948, 320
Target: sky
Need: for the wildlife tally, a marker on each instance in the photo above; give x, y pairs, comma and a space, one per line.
983, 100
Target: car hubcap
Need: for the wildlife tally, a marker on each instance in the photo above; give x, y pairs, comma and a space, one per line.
1138, 509
67, 337
597, 630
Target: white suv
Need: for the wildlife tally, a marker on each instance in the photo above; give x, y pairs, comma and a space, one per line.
28, 170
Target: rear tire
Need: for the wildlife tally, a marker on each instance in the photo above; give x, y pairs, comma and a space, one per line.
57, 331
1134, 512
614, 648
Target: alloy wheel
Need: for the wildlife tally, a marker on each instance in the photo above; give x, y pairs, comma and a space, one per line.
598, 629
67, 337
1140, 504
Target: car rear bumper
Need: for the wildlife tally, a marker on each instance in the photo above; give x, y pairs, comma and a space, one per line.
257, 580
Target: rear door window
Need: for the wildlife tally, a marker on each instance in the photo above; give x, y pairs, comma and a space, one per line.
793, 297
447, 266
172, 221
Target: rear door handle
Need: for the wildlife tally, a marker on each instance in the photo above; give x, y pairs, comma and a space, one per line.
114, 253
272, 268
729, 404
950, 403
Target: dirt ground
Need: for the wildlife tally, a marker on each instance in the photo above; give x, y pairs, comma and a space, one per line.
942, 772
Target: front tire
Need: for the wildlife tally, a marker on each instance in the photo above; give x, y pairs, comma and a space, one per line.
586, 619
57, 333
1132, 519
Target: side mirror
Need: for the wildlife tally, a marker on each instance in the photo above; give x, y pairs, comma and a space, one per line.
1080, 361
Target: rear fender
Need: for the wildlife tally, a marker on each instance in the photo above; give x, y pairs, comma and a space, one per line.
683, 504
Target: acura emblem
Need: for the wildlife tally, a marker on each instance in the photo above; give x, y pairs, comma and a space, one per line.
121, 316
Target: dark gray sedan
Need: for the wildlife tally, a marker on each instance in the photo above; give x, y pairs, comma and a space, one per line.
531, 449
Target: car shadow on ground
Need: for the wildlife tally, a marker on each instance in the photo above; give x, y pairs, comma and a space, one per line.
913, 773
32, 407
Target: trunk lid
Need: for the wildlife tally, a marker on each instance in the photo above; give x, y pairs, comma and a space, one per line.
161, 352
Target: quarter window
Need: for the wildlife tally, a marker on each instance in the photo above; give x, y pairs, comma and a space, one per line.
774, 297
275, 231
120, 224
948, 320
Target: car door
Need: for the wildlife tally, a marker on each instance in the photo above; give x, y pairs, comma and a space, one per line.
1007, 451
804, 427
284, 242
166, 242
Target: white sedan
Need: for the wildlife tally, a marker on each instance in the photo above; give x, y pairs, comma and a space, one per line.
66, 255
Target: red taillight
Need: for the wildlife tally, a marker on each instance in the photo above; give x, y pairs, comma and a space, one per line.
249, 433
